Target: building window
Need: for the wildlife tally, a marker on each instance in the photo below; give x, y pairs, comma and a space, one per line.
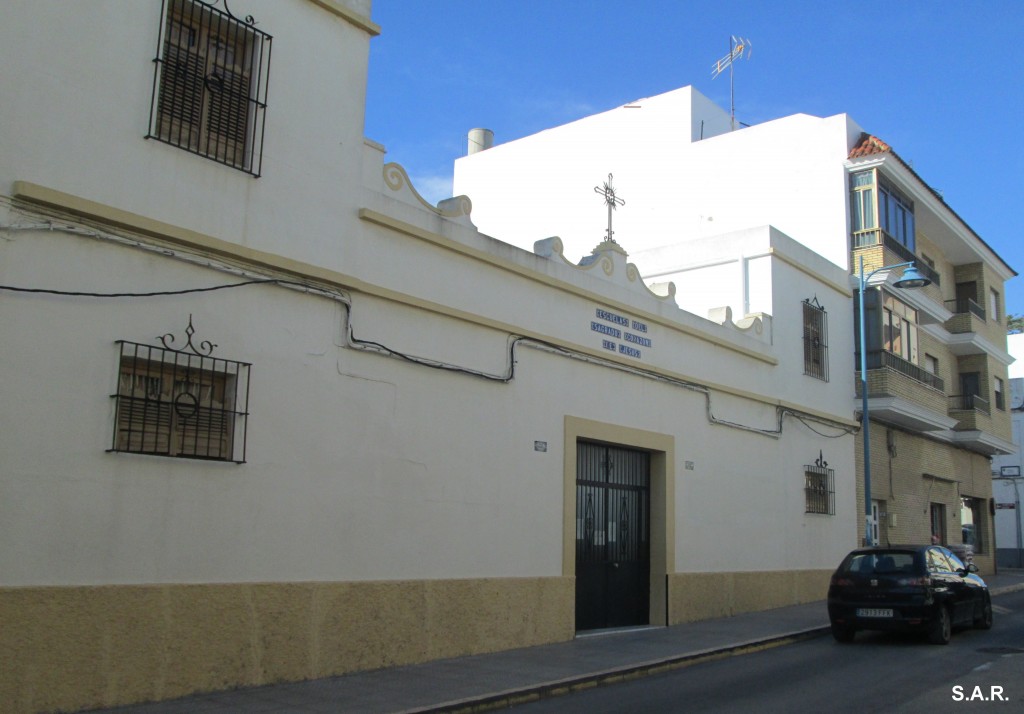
819, 489
993, 304
899, 329
862, 201
180, 403
896, 214
815, 340
997, 387
210, 84
879, 204
931, 364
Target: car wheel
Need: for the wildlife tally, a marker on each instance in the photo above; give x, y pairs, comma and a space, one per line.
843, 633
942, 628
984, 622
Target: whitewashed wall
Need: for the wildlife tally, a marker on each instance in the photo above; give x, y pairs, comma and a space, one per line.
675, 189
82, 76
359, 466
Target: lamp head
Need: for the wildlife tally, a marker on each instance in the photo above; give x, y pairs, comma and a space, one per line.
912, 279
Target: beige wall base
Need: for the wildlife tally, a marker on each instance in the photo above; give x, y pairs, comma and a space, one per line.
702, 596
69, 648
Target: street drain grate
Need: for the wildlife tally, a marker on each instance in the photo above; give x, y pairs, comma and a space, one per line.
1001, 650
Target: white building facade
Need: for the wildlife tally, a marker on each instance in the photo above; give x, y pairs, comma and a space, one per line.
936, 357
270, 417
1008, 471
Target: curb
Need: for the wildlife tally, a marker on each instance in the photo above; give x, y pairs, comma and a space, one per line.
559, 687
590, 680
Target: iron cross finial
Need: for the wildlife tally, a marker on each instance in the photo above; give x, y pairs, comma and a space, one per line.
611, 200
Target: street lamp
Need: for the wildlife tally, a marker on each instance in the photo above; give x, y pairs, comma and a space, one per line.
911, 279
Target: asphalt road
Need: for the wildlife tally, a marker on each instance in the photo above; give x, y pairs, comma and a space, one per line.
979, 671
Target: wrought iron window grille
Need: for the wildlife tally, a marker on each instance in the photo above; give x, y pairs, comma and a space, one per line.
182, 403
210, 83
815, 339
819, 488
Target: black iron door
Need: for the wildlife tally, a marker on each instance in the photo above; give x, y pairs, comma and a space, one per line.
613, 563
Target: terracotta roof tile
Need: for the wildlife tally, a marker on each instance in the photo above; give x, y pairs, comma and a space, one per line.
868, 145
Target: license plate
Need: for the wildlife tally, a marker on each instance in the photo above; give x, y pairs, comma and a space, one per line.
873, 612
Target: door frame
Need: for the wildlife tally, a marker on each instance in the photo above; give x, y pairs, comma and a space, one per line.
661, 448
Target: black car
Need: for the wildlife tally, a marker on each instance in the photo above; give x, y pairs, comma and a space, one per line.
919, 587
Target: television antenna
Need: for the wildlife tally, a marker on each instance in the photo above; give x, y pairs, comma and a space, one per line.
737, 46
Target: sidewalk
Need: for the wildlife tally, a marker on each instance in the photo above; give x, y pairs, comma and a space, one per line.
495, 680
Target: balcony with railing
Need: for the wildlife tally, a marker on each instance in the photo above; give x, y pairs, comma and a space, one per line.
969, 402
882, 359
971, 411
876, 236
894, 381
968, 316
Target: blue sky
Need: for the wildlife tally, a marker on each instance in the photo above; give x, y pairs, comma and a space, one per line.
941, 82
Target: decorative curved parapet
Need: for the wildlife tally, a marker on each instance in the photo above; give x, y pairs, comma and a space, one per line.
721, 315
663, 289
548, 247
752, 325
457, 208
610, 257
603, 248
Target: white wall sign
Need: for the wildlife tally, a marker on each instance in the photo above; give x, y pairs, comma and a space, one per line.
621, 334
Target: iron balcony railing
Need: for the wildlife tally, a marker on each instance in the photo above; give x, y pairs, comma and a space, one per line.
963, 306
969, 402
876, 236
878, 359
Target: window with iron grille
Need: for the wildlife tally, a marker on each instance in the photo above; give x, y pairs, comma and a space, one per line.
819, 490
180, 403
210, 84
815, 340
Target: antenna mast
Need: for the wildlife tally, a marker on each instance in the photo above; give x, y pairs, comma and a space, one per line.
737, 46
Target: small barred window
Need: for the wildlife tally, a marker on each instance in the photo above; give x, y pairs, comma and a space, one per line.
815, 340
819, 489
210, 84
180, 403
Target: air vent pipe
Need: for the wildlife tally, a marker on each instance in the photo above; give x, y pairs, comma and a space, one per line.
480, 140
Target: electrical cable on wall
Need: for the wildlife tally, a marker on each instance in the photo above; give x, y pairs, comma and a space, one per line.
156, 293
354, 342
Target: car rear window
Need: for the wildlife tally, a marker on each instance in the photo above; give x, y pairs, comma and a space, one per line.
880, 563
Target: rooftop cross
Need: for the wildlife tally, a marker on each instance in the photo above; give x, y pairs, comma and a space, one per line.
611, 200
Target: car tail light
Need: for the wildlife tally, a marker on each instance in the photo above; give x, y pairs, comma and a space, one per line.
841, 581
